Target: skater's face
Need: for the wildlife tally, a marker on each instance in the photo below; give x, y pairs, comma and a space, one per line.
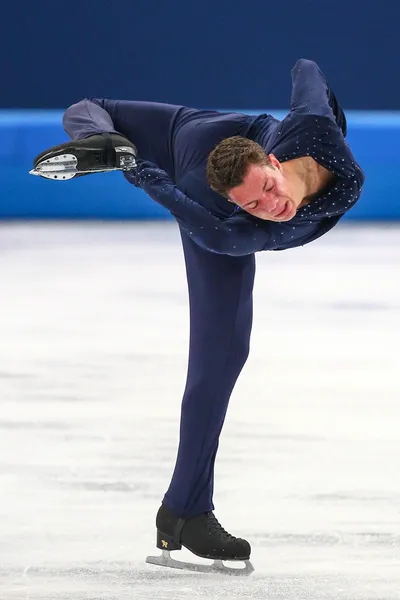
266, 193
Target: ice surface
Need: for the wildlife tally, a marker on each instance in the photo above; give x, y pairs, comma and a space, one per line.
93, 354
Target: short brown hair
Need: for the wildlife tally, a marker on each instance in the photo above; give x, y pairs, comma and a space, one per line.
227, 164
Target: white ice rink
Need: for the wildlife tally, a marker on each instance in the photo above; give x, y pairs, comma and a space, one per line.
93, 353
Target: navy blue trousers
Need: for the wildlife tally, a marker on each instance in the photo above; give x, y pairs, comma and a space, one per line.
220, 298
221, 312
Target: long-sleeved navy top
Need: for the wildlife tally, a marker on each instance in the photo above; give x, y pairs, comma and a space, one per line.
315, 126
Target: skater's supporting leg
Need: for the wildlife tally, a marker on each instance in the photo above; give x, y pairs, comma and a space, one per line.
220, 295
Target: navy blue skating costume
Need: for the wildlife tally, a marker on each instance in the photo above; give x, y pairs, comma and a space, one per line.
219, 240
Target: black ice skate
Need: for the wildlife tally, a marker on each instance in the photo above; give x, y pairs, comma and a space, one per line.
96, 154
204, 537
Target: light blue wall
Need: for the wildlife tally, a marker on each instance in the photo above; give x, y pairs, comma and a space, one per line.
373, 138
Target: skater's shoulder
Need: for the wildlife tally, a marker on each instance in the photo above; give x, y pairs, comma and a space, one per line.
193, 182
310, 135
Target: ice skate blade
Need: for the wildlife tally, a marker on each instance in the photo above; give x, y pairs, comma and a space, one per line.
218, 567
68, 174
60, 167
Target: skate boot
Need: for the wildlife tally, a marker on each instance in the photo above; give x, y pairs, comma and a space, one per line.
96, 154
204, 537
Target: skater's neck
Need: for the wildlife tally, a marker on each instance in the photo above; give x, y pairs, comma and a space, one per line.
308, 178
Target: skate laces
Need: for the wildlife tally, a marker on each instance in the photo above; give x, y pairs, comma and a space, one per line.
215, 526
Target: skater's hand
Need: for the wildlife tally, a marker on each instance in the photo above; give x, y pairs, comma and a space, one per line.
145, 171
157, 184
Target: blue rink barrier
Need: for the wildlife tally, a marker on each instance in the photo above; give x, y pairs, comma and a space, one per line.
373, 138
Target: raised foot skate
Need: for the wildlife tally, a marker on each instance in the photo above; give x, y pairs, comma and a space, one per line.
203, 536
97, 154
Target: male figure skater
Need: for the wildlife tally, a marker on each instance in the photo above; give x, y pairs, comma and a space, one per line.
236, 184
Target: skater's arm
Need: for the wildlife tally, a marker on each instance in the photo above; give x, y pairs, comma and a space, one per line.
312, 94
238, 235
86, 118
